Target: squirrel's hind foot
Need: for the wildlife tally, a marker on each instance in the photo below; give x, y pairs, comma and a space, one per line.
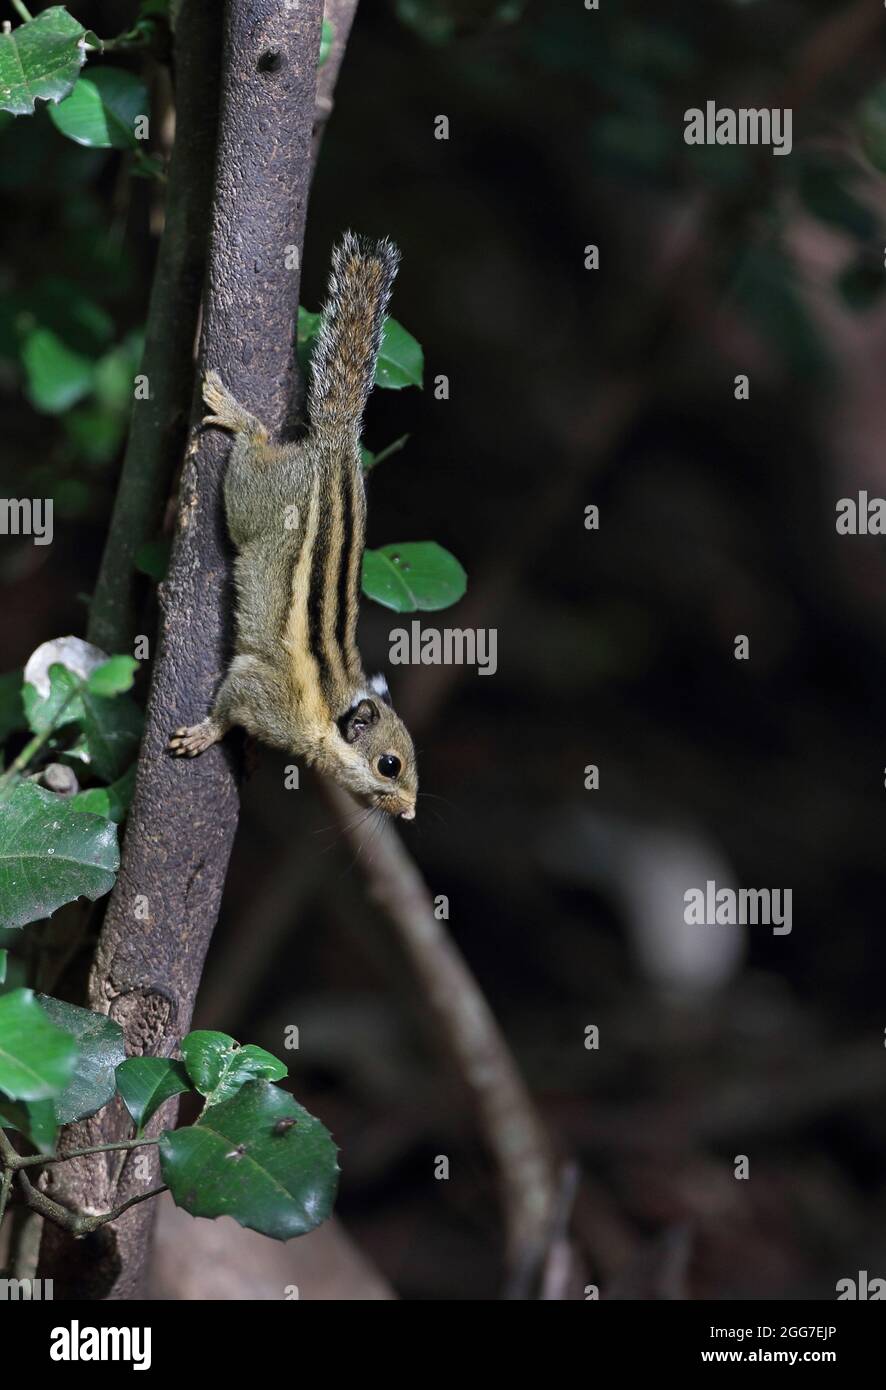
227, 413
193, 739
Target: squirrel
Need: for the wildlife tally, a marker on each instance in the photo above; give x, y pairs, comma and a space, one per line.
296, 513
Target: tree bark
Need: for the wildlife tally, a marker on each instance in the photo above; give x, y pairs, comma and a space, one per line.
163, 909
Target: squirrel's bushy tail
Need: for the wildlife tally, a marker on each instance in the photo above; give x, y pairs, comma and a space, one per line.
346, 351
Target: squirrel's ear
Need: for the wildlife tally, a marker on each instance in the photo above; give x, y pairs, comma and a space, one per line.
358, 720
379, 685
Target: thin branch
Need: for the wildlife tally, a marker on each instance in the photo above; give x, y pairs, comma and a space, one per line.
507, 1118
78, 1223
40, 1160
5, 1185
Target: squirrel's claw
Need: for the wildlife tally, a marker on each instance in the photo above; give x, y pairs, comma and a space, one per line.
193, 739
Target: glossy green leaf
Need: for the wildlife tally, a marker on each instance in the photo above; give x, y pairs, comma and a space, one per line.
50, 855
36, 1058
40, 60
112, 802
146, 1083
61, 706
116, 675
56, 377
260, 1158
111, 725
400, 359
102, 109
412, 576
219, 1066
35, 1119
100, 1051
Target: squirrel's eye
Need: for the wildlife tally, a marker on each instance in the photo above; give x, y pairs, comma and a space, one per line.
388, 765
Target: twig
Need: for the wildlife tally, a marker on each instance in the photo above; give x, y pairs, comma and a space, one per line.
40, 1160
507, 1118
78, 1223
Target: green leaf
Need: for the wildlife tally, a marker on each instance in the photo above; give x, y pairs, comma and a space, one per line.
327, 39
40, 60
12, 711
245, 1159
400, 359
219, 1066
145, 1083
61, 706
35, 1119
102, 110
56, 377
113, 728
50, 711
36, 1058
112, 725
50, 855
93, 433
2, 966
414, 575
115, 375
116, 675
305, 336
100, 1051
112, 802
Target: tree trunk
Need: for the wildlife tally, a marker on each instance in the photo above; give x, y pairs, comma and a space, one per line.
162, 912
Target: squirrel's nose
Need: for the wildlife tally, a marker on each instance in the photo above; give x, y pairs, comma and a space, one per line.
408, 815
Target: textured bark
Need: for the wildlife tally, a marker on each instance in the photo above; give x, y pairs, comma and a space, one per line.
181, 827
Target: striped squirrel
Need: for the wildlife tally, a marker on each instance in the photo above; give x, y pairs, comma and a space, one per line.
296, 513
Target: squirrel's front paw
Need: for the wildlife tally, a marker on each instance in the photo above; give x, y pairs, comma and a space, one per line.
194, 739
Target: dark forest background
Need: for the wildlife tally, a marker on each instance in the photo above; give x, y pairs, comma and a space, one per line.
615, 647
